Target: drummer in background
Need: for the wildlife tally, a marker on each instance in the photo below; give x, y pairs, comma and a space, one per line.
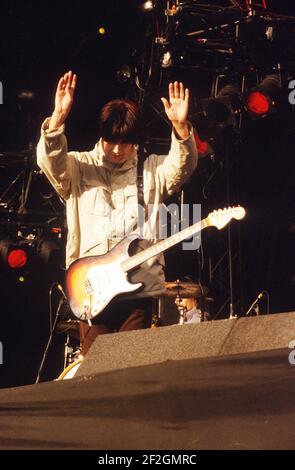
192, 311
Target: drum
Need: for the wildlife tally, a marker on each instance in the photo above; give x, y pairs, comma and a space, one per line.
70, 371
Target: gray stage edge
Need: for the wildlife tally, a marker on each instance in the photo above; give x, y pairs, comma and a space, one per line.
224, 337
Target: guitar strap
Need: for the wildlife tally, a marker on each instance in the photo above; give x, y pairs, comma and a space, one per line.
141, 214
141, 208
140, 165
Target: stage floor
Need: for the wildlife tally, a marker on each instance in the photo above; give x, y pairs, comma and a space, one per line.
244, 401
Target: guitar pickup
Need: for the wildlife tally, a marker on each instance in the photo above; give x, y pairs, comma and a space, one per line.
88, 287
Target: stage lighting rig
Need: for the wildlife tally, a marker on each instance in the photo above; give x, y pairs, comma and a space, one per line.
262, 100
221, 110
15, 254
242, 34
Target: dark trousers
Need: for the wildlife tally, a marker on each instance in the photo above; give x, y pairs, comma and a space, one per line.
121, 316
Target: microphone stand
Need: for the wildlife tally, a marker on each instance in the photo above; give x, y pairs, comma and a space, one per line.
254, 303
49, 340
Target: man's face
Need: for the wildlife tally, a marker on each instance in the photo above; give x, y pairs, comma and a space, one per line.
187, 303
117, 153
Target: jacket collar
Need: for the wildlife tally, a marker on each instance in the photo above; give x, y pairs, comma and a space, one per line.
127, 165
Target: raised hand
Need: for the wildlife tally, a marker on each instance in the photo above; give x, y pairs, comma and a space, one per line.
177, 108
64, 98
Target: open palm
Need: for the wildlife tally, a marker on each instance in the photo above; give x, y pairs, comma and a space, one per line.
177, 106
65, 94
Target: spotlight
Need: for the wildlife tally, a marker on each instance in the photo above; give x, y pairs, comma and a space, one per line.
220, 111
146, 6
261, 100
166, 60
17, 258
101, 31
204, 148
14, 256
124, 74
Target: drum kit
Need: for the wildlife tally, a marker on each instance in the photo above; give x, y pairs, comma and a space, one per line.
177, 291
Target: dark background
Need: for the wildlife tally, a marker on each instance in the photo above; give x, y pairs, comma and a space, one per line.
39, 41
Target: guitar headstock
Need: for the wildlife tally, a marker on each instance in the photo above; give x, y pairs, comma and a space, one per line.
221, 217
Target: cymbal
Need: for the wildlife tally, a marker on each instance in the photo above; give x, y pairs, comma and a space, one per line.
185, 289
71, 327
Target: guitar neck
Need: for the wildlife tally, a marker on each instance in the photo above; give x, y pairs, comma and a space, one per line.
162, 246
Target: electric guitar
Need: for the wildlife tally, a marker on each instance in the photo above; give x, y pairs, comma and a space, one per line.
92, 282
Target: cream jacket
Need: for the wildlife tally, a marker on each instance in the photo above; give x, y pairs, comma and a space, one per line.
101, 198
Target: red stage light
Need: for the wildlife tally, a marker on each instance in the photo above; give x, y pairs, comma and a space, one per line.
202, 145
257, 103
17, 259
265, 98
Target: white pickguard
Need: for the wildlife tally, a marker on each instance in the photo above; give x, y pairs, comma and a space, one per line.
106, 281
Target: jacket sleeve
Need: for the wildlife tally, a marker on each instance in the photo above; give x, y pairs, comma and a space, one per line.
53, 158
176, 167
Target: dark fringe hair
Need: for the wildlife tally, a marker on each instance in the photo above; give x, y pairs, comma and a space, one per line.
120, 122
